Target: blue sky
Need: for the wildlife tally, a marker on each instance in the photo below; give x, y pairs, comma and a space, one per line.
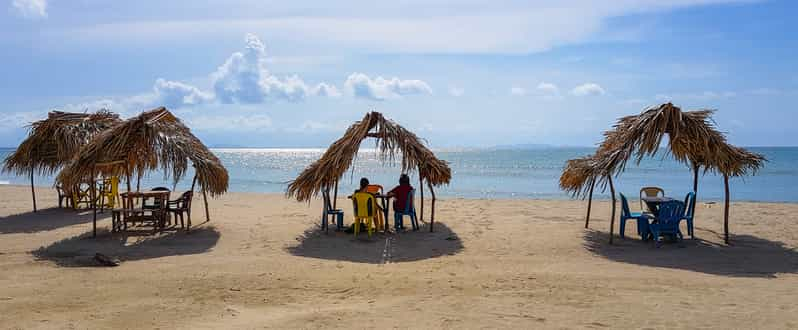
459, 73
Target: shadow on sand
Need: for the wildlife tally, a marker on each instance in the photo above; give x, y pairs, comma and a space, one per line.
380, 248
747, 256
46, 219
79, 251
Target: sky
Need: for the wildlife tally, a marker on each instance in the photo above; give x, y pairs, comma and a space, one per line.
247, 73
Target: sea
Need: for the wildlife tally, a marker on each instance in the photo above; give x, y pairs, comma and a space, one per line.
516, 173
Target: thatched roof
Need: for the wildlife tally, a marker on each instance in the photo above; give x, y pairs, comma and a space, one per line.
52, 142
154, 140
692, 139
392, 139
578, 176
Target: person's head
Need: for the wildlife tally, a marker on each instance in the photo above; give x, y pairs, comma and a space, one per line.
364, 182
404, 180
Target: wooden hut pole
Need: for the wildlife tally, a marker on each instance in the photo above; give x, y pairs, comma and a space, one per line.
32, 190
193, 183
138, 182
432, 215
93, 205
421, 190
335, 196
726, 210
205, 198
695, 177
589, 202
612, 220
127, 174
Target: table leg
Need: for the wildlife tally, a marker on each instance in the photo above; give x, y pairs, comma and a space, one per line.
385, 212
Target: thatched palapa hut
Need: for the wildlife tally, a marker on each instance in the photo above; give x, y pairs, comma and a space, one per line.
154, 140
52, 142
392, 140
692, 139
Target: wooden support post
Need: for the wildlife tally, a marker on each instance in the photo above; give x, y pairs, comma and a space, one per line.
432, 215
205, 198
612, 220
93, 205
193, 182
335, 196
421, 198
138, 182
695, 178
32, 190
127, 174
589, 202
726, 210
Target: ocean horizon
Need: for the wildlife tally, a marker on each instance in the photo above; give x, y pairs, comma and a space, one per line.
496, 172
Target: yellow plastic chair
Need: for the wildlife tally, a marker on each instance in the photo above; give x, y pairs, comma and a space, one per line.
109, 192
376, 189
364, 210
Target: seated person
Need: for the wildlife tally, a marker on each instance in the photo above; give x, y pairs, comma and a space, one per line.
364, 183
399, 193
364, 187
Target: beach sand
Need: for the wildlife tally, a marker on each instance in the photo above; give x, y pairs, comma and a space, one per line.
261, 262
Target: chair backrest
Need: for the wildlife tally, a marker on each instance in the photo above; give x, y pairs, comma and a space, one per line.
669, 214
374, 189
185, 199
625, 212
652, 192
689, 202
409, 203
363, 204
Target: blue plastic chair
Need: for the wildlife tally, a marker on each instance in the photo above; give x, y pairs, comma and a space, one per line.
410, 210
667, 222
328, 211
689, 202
626, 214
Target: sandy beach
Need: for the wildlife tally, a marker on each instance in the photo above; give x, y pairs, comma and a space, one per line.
261, 262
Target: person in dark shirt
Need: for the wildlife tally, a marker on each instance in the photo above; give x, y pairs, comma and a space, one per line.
399, 194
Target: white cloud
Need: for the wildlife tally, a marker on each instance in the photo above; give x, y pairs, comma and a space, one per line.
174, 94
456, 91
447, 26
517, 91
380, 89
324, 89
30, 8
548, 90
588, 89
243, 78
17, 120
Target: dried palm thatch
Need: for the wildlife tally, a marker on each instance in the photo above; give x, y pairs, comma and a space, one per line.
52, 142
154, 140
392, 140
692, 139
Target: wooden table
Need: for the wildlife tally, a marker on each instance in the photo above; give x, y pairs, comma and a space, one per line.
654, 202
158, 214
